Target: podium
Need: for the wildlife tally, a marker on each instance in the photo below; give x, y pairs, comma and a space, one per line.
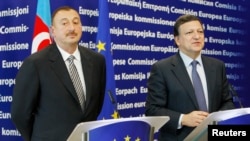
134, 128
235, 116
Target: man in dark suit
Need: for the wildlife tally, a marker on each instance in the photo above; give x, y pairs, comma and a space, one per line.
170, 85
45, 104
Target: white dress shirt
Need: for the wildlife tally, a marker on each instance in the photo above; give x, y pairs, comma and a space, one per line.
78, 64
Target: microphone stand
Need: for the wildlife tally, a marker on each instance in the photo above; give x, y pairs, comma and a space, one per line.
234, 94
113, 101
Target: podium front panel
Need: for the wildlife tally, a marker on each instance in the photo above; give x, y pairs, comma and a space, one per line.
239, 120
127, 130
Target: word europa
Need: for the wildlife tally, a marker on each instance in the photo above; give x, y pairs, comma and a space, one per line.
11, 64
7, 82
146, 5
172, 9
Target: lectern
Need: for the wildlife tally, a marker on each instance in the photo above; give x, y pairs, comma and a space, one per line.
134, 128
220, 117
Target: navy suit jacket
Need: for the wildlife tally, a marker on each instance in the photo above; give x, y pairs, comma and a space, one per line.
45, 106
171, 93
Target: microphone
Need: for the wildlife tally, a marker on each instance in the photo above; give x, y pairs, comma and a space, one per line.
233, 92
113, 101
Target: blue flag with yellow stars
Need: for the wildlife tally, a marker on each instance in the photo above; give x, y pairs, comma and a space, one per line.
122, 131
103, 41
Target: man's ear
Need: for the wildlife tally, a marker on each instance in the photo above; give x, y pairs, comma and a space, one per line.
176, 40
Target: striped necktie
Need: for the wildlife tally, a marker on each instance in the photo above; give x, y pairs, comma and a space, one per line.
76, 81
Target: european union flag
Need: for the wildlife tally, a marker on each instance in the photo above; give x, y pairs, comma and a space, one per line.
109, 110
122, 131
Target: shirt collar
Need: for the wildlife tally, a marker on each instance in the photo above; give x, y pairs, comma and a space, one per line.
187, 60
66, 55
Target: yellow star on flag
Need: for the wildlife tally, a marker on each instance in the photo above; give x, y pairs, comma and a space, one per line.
115, 115
138, 139
127, 138
100, 46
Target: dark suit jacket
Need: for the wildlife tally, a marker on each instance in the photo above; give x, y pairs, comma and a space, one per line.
45, 106
170, 93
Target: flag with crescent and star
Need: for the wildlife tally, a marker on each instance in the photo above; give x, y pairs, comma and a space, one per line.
41, 35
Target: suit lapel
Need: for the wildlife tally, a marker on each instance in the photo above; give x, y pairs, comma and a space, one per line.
181, 74
210, 77
87, 67
58, 65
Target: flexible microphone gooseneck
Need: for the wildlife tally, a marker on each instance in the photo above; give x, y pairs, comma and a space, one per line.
234, 94
113, 101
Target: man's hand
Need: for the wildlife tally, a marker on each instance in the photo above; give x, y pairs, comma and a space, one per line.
194, 118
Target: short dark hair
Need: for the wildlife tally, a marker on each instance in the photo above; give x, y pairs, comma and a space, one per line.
62, 8
184, 19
